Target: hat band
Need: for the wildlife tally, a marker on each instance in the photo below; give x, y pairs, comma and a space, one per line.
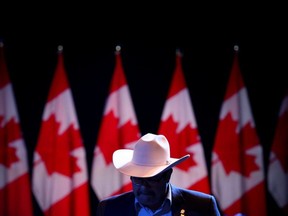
152, 164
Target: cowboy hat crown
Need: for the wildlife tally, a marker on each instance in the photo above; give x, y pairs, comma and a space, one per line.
150, 156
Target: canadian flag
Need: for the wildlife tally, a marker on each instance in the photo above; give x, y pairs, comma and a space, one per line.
15, 188
278, 161
179, 125
118, 129
60, 178
237, 158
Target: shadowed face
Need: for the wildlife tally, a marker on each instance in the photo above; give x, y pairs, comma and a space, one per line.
151, 192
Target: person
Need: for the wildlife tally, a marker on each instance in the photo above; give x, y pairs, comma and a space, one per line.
150, 166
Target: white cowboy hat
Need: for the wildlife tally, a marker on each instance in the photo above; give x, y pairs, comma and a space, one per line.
151, 156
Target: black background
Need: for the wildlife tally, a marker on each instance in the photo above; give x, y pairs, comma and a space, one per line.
149, 40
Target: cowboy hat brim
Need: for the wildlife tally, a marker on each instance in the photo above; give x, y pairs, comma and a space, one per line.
122, 160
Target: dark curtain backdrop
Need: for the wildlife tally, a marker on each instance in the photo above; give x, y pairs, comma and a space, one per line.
148, 56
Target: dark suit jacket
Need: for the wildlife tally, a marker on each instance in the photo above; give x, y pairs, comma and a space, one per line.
194, 203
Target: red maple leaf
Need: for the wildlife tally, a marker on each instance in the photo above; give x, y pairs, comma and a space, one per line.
128, 133
180, 142
232, 147
9, 133
111, 137
107, 140
55, 150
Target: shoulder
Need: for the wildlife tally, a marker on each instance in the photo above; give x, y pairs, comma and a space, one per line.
191, 194
194, 201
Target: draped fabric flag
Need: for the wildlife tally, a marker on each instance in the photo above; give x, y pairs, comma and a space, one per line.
278, 161
179, 125
15, 187
237, 158
60, 178
118, 129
